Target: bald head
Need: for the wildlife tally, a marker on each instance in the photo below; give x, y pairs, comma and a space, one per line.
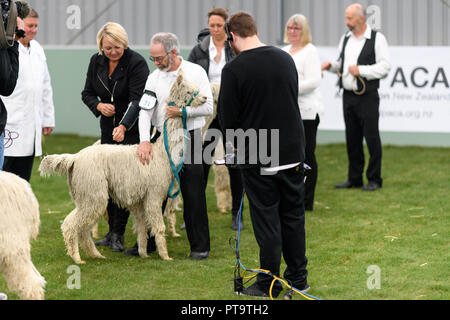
355, 17
358, 10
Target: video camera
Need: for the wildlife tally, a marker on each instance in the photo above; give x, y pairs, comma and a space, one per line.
9, 11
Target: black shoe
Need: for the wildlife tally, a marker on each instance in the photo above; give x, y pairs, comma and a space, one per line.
116, 244
371, 186
290, 292
151, 247
105, 242
347, 185
235, 223
199, 255
256, 291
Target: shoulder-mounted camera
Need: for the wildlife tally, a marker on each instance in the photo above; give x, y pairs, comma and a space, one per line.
9, 11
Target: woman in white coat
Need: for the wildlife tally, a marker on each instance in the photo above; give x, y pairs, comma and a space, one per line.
30, 107
307, 61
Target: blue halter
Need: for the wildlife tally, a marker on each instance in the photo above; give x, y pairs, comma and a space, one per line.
175, 170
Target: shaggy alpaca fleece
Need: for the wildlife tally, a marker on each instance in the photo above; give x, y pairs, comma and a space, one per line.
221, 176
102, 171
19, 223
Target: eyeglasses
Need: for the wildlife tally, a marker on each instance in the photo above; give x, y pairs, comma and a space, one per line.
294, 28
158, 59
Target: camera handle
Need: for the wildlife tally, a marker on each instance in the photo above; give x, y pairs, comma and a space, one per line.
7, 36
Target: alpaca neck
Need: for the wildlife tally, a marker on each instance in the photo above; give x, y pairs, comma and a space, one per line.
175, 138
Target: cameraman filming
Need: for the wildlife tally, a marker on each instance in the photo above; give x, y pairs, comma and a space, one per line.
9, 69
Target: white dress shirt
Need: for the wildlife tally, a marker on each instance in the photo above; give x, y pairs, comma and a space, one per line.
308, 66
379, 70
160, 82
215, 69
30, 106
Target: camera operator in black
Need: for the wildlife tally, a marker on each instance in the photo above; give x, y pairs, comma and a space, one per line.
259, 91
9, 68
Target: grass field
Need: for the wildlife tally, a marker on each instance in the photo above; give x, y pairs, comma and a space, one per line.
401, 229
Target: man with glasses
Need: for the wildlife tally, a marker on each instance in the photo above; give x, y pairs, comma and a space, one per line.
164, 52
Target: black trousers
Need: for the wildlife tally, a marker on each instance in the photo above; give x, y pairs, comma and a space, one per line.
21, 166
117, 218
361, 115
192, 185
192, 188
310, 159
278, 218
236, 186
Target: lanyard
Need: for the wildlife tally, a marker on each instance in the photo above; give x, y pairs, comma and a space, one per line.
111, 93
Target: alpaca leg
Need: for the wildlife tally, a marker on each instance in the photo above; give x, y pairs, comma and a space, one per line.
170, 216
171, 222
95, 231
88, 244
70, 228
22, 277
159, 231
140, 227
88, 218
222, 188
161, 244
178, 202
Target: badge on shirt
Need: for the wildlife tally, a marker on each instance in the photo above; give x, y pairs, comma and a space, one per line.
148, 100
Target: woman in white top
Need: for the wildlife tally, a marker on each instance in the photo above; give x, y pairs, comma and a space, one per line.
307, 61
212, 53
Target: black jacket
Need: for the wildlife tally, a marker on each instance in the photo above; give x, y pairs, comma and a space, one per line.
200, 53
9, 69
127, 84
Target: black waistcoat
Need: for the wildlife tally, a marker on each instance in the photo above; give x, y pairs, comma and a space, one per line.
366, 57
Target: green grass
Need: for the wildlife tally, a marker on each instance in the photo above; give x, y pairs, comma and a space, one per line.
402, 228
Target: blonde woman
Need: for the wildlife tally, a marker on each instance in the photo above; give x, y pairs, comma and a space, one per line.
306, 58
116, 76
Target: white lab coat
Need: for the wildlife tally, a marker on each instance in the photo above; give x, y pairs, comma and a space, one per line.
30, 107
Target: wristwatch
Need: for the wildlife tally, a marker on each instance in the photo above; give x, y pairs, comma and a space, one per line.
181, 111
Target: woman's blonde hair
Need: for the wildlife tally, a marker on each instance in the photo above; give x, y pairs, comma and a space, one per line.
299, 20
115, 33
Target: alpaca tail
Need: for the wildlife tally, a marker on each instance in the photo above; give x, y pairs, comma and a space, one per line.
56, 163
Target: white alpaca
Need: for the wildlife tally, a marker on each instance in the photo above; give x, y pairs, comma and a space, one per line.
19, 223
102, 171
221, 175
169, 213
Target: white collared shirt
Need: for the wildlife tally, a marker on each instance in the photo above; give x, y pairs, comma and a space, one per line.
215, 69
379, 70
160, 82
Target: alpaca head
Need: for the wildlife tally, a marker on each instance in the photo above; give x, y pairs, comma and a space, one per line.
183, 92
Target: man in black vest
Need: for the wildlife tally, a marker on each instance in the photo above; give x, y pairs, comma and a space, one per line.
258, 95
363, 61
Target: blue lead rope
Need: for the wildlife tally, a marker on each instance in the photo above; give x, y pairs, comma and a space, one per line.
175, 170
